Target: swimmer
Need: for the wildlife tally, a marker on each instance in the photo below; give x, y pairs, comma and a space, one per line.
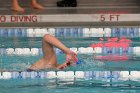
49, 60
18, 8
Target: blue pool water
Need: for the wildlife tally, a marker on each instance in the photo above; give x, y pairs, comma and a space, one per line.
45, 86
20, 38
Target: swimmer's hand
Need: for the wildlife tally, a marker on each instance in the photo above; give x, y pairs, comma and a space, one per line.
71, 57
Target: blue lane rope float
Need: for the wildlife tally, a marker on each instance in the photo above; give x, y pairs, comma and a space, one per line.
94, 75
71, 32
80, 50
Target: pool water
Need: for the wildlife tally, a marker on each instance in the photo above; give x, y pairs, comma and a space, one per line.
20, 62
